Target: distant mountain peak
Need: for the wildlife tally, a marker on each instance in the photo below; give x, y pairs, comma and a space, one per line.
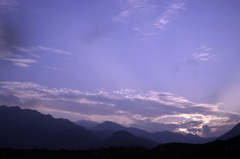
87, 123
108, 125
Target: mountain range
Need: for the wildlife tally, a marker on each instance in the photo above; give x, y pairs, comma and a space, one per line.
107, 128
26, 129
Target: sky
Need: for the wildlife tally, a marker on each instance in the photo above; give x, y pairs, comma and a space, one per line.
153, 64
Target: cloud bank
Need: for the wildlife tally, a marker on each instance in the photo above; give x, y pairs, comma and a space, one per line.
153, 111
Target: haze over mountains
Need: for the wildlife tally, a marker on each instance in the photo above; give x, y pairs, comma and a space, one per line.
25, 128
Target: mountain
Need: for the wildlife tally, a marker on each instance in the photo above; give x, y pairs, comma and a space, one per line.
125, 139
108, 125
107, 128
235, 131
25, 128
75, 138
28, 129
169, 137
86, 123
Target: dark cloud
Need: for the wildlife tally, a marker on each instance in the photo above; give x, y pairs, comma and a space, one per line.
206, 130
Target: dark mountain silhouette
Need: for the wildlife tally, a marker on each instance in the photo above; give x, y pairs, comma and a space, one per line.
235, 131
86, 123
126, 139
107, 128
75, 138
25, 128
169, 137
108, 125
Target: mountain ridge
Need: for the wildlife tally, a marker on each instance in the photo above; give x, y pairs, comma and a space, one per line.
235, 131
25, 128
108, 128
36, 130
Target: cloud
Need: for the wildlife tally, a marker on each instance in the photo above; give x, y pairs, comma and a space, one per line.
52, 50
203, 54
40, 48
21, 62
147, 17
10, 52
200, 55
169, 14
6, 53
133, 9
154, 111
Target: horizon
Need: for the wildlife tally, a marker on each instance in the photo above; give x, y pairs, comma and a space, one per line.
107, 122
154, 65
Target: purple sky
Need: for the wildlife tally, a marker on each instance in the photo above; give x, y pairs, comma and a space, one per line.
153, 64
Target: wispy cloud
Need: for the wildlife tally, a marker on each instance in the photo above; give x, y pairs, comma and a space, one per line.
51, 50
6, 53
41, 48
148, 16
203, 53
135, 8
21, 62
18, 56
151, 110
169, 14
